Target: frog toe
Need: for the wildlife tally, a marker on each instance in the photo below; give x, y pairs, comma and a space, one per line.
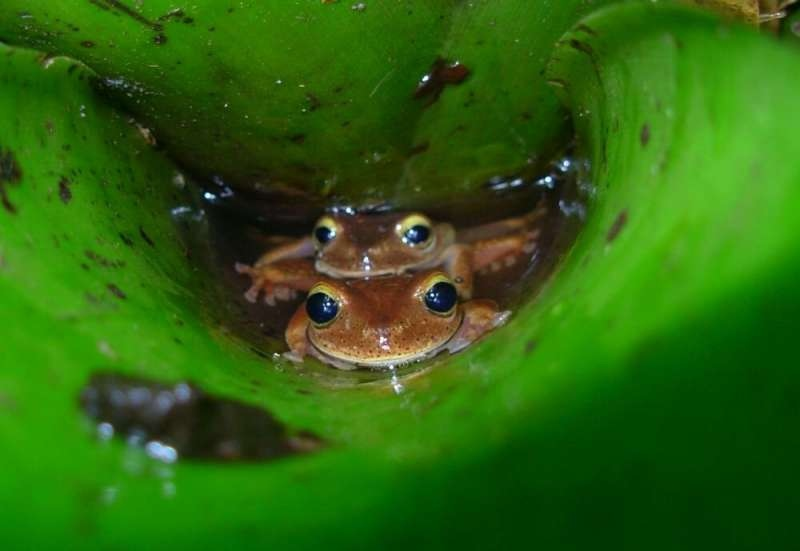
243, 268
251, 295
282, 292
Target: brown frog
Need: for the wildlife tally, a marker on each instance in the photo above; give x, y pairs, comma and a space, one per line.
366, 245
387, 321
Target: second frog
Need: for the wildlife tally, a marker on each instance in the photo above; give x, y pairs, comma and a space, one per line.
350, 246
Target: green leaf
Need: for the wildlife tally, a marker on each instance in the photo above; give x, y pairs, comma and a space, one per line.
319, 97
644, 399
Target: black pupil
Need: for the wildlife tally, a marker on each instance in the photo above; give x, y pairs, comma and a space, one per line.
324, 234
417, 234
321, 308
441, 297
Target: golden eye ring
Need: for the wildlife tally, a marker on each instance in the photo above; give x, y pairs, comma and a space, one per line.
440, 295
325, 230
323, 305
416, 230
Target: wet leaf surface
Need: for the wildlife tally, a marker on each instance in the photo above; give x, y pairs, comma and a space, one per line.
648, 390
319, 96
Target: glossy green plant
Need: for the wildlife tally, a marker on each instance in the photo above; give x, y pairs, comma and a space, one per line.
319, 97
645, 399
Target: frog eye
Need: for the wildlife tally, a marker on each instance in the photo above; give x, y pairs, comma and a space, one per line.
415, 231
322, 305
325, 231
441, 296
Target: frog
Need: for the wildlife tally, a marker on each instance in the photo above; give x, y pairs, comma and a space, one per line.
350, 246
387, 321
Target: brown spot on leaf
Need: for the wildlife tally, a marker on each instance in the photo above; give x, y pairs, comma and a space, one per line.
581, 46
441, 74
63, 190
87, 44
125, 239
101, 260
313, 102
10, 174
616, 227
644, 135
116, 291
146, 237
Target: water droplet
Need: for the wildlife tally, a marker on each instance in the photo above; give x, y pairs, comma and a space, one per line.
572, 208
161, 452
366, 263
105, 431
397, 386
184, 212
178, 180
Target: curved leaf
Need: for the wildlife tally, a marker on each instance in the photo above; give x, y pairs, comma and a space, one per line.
319, 96
645, 399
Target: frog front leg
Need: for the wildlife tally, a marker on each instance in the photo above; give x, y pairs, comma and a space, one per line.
480, 317
297, 335
458, 265
281, 271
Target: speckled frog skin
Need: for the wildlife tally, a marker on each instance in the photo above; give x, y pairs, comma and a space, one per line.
348, 246
387, 321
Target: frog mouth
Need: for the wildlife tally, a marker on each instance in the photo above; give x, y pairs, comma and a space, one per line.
348, 361
370, 270
323, 267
